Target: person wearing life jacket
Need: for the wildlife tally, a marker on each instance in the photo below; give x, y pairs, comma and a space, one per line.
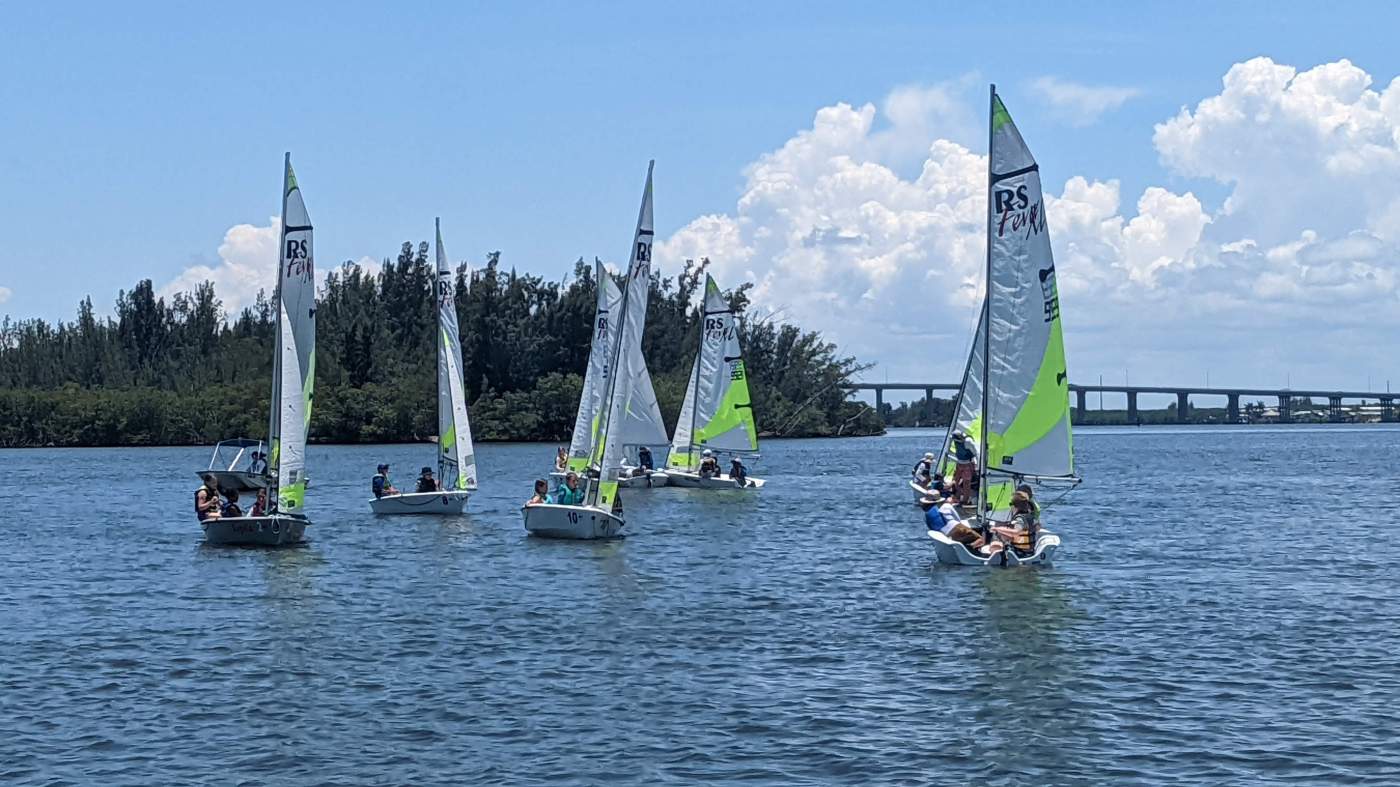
380, 484
738, 473
570, 493
1020, 533
709, 466
923, 470
259, 505
1035, 507
941, 515
964, 453
644, 460
541, 496
426, 482
231, 508
206, 499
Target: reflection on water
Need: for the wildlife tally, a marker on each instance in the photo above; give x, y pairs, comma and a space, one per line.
800, 635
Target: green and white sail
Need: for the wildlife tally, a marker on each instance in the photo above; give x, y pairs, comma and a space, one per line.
1026, 386
456, 457
623, 381
294, 364
717, 413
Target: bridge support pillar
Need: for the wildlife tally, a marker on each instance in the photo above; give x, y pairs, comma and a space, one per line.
880, 404
928, 407
1081, 405
1183, 407
1387, 409
1285, 409
1132, 407
1334, 409
1232, 408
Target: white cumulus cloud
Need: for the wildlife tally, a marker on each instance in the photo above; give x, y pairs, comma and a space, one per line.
5, 294
1078, 104
890, 266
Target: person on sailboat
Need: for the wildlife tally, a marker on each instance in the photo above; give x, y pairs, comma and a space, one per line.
923, 470
1020, 532
569, 494
561, 459
1030, 493
709, 466
541, 494
644, 460
231, 508
426, 482
259, 505
965, 455
941, 515
381, 485
206, 499
738, 473
258, 463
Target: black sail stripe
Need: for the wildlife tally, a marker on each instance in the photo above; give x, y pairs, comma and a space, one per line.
1016, 173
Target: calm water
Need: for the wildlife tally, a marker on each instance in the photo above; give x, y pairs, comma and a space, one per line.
1196, 629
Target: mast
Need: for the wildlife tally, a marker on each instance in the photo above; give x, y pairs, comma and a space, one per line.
442, 348
987, 325
274, 437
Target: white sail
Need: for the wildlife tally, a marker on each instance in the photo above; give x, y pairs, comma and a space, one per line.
295, 362
624, 379
717, 413
456, 457
581, 446
1027, 388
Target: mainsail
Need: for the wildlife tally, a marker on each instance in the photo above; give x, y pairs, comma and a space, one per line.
456, 459
642, 424
294, 361
717, 413
1025, 390
622, 383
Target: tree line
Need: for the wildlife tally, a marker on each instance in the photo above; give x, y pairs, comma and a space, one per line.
180, 371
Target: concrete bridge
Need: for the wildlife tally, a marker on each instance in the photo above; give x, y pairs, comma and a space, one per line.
1284, 396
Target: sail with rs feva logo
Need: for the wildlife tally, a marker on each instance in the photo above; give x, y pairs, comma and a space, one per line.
456, 457
1017, 409
717, 413
642, 424
294, 362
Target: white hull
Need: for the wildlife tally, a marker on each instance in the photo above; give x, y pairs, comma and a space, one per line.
689, 480
954, 553
264, 531
448, 502
576, 522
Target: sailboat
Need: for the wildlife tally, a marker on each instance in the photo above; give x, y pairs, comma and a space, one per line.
456, 457
1017, 406
716, 415
293, 377
600, 515
642, 425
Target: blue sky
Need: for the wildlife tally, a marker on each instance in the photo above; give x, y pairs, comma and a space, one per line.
137, 137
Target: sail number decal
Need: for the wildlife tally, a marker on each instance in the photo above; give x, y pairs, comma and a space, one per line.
573, 517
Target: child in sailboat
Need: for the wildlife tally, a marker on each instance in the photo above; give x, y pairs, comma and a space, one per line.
426, 482
561, 459
709, 466
923, 470
1020, 532
941, 515
206, 499
738, 473
541, 494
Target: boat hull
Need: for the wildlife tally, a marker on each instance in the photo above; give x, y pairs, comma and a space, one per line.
548, 520
687, 480
956, 554
441, 503
257, 531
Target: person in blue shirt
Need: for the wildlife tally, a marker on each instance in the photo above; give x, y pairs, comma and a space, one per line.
570, 494
945, 520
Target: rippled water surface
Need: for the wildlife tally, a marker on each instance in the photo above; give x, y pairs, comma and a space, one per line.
1226, 609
